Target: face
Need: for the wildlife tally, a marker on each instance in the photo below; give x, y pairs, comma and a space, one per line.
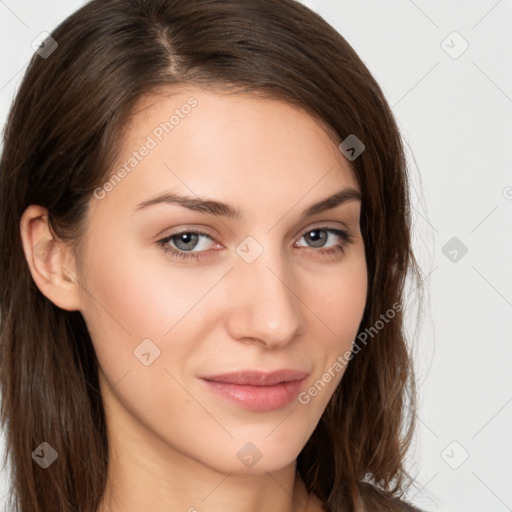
173, 294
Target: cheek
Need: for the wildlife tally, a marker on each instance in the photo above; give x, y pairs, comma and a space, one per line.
341, 308
340, 305
120, 302
143, 297
341, 302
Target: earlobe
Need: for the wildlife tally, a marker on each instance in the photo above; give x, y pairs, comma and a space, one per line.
50, 261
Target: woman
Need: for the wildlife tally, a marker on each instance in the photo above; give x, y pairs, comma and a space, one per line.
205, 236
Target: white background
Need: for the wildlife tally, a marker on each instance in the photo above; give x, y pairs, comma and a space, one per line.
456, 118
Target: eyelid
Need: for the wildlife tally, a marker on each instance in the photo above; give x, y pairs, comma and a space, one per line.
188, 228
325, 224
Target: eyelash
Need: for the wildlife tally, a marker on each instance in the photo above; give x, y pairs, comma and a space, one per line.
185, 255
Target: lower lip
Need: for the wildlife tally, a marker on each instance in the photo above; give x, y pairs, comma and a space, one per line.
258, 398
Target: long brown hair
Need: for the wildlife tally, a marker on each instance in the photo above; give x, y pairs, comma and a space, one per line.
60, 142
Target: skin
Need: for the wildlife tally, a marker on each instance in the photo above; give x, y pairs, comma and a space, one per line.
173, 442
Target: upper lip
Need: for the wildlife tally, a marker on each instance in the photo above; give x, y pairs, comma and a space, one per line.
258, 378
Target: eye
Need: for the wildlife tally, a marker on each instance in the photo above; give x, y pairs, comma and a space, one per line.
320, 235
185, 241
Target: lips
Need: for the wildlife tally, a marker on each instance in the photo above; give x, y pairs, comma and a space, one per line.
258, 378
256, 390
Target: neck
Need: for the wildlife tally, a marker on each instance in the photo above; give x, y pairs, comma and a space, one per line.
140, 485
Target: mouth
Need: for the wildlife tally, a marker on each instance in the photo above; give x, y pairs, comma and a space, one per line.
256, 390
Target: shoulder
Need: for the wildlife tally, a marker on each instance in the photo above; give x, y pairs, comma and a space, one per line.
406, 507
375, 500
399, 505
396, 506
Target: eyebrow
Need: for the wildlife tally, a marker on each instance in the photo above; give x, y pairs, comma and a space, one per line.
220, 209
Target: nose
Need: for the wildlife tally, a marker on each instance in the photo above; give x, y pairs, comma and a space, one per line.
265, 307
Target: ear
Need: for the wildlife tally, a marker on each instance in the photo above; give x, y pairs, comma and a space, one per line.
50, 261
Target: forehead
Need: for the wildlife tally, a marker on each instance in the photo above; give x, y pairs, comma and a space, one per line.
239, 148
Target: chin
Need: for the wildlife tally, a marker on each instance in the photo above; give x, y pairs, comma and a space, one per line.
251, 457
